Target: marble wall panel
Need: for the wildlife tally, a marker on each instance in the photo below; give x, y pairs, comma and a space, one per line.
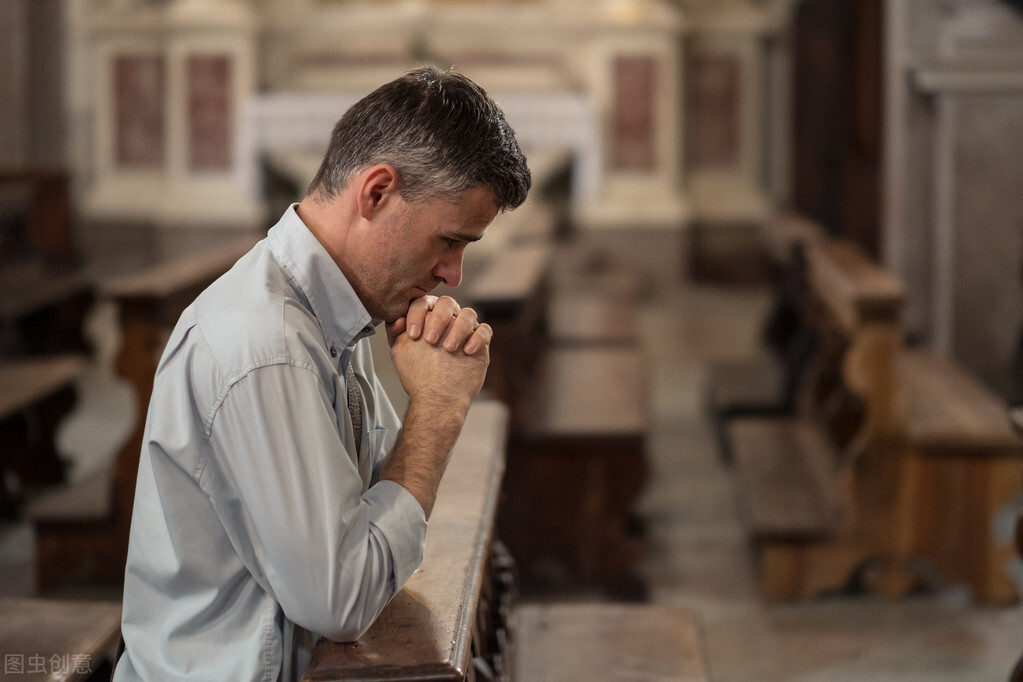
633, 124
713, 108
209, 112
139, 92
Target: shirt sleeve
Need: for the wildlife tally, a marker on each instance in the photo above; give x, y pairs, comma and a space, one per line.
385, 417
290, 497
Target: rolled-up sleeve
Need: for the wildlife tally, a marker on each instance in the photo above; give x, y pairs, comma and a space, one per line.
290, 496
390, 508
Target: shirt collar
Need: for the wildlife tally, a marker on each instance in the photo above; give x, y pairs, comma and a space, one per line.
342, 316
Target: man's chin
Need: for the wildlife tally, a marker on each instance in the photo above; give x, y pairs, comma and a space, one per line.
398, 310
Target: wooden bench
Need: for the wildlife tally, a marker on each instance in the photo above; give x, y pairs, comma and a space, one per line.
511, 296
576, 466
966, 466
554, 357
82, 530
39, 198
896, 466
43, 309
35, 395
768, 383
817, 487
450, 622
58, 641
607, 641
45, 295
584, 313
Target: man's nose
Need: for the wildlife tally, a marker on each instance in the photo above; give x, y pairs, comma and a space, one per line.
449, 268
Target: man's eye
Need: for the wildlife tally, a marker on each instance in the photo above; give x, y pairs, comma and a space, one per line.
450, 242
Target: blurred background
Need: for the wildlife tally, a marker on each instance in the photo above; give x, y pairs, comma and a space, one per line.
145, 144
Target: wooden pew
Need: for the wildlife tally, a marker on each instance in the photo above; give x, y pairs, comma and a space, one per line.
575, 468
820, 488
36, 394
965, 467
82, 530
768, 384
45, 640
511, 296
576, 458
42, 310
45, 295
607, 641
896, 465
450, 620
567, 424
585, 317
39, 198
592, 302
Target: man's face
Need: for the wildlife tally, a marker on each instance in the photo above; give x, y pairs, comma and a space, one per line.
416, 246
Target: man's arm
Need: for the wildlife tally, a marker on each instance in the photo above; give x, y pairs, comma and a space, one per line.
442, 373
290, 498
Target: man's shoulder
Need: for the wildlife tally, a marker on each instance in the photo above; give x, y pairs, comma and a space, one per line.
253, 316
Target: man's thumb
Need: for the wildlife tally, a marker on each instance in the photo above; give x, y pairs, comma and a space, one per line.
394, 329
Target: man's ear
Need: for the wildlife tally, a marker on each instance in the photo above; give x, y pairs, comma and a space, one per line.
378, 186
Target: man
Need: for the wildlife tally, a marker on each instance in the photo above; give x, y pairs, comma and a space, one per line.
278, 493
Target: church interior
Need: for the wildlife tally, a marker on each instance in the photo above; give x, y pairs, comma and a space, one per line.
755, 404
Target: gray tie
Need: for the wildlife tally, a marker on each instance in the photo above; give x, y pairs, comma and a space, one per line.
354, 406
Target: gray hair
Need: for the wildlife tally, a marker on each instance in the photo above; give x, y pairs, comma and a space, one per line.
441, 132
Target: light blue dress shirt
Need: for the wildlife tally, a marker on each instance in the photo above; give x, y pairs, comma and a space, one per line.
253, 514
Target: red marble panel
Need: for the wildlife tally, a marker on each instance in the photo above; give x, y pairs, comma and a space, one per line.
634, 127
209, 111
713, 111
139, 111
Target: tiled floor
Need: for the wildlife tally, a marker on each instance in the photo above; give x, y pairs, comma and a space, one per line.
697, 554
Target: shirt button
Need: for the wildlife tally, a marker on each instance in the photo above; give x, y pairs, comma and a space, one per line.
333, 352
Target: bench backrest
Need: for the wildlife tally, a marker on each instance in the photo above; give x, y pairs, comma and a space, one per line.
852, 384
35, 214
511, 294
855, 290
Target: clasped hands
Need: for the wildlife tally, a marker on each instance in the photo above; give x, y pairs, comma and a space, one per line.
439, 349
441, 319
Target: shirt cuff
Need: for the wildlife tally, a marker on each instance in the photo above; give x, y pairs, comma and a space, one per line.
402, 523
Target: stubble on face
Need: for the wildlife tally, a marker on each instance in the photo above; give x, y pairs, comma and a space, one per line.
380, 267
400, 264
395, 265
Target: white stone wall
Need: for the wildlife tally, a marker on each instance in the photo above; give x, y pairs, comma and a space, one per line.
629, 60
953, 222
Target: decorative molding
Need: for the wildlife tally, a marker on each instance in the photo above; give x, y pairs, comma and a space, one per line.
969, 79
